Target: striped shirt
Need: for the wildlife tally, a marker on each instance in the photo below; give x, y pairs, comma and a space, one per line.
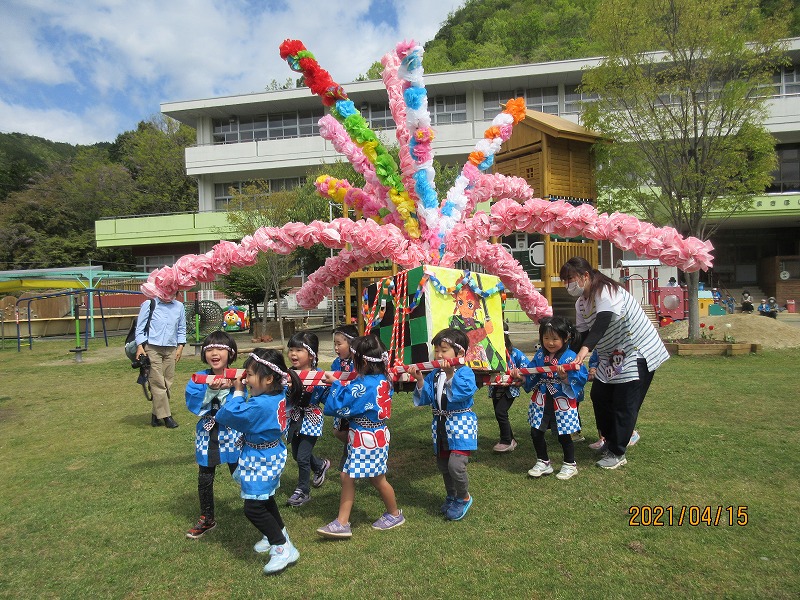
629, 336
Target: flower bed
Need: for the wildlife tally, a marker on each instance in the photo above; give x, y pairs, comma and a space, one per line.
710, 347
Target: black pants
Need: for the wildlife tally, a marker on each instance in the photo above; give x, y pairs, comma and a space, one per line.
502, 403
303, 453
205, 488
540, 445
265, 516
616, 407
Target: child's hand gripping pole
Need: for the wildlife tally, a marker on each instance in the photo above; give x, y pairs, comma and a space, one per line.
506, 379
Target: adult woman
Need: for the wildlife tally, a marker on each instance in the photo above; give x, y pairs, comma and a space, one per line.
611, 322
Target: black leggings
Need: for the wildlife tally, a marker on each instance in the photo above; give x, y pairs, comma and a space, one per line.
265, 516
205, 488
540, 445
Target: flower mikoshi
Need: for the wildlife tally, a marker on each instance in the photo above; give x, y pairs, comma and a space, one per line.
408, 309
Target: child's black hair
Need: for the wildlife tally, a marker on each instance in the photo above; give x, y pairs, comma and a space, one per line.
366, 352
558, 325
262, 371
305, 340
348, 331
223, 339
451, 337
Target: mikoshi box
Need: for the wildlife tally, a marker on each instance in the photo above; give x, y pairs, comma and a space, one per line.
439, 298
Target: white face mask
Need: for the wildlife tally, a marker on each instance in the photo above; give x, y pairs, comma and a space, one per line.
574, 288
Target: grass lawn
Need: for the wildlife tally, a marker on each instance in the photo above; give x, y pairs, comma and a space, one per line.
95, 503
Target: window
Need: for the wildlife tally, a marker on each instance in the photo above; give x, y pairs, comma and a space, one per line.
786, 178
573, 99
377, 116
448, 109
223, 196
542, 99
492, 102
150, 263
275, 126
791, 80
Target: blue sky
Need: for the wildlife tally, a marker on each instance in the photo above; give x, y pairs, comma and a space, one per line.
84, 71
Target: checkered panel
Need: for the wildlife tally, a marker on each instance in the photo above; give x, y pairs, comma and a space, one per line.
362, 462
462, 426
228, 452
261, 468
567, 421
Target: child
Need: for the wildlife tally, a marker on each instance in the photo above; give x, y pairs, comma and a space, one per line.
503, 397
450, 392
213, 444
262, 420
367, 403
554, 403
343, 338
305, 420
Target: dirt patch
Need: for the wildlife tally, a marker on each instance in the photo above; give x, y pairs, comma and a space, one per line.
754, 329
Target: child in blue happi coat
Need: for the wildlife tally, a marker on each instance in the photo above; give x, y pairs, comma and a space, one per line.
366, 402
503, 397
554, 403
261, 418
214, 445
344, 337
450, 392
305, 420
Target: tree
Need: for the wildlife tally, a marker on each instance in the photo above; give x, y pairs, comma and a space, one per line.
682, 92
249, 209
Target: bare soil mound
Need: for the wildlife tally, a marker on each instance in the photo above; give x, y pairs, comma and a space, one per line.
755, 329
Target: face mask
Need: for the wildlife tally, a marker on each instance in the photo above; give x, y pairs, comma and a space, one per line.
574, 288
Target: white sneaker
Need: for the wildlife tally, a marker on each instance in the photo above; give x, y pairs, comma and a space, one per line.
540, 468
263, 544
567, 470
634, 438
281, 557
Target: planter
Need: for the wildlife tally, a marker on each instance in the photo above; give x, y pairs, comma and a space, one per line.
718, 348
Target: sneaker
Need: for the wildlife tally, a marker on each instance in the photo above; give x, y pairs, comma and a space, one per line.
335, 530
389, 521
203, 525
298, 498
501, 447
612, 461
448, 502
263, 545
540, 468
281, 557
319, 478
598, 445
634, 438
458, 510
567, 470
577, 437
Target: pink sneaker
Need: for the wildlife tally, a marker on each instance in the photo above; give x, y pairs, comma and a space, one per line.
598, 444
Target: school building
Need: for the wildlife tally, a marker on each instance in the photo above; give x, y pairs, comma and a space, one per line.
274, 136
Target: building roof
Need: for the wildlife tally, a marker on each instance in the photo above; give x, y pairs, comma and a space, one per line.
558, 127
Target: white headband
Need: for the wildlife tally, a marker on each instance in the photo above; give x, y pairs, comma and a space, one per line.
452, 344
220, 346
284, 375
383, 358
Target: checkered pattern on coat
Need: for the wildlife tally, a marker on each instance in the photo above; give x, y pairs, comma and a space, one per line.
364, 462
459, 427
567, 421
312, 426
259, 472
226, 437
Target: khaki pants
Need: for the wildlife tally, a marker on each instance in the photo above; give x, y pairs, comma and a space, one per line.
162, 373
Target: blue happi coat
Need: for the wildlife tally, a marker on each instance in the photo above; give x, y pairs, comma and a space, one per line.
262, 420
455, 424
565, 395
213, 444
